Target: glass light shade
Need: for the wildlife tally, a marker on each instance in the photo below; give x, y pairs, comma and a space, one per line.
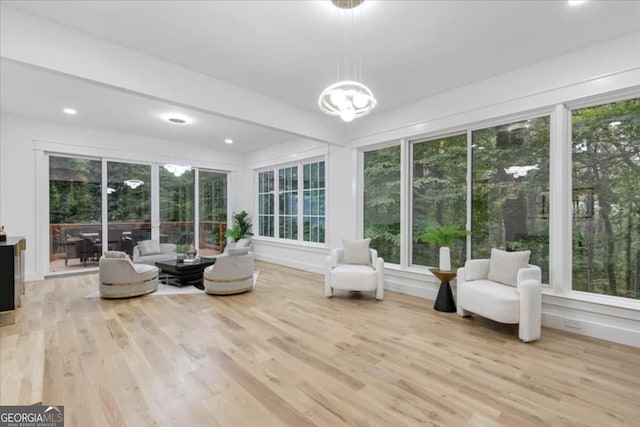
177, 170
132, 183
347, 99
360, 100
348, 113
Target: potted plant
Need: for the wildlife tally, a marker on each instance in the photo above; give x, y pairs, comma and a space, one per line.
181, 251
443, 237
241, 227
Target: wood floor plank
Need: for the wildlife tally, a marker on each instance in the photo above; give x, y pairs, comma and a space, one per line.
284, 355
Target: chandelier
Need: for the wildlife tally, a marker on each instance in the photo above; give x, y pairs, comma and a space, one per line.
348, 98
175, 122
131, 183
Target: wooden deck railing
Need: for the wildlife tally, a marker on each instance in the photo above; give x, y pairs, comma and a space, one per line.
210, 233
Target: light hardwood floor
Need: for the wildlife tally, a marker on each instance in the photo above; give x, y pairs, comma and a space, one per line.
286, 355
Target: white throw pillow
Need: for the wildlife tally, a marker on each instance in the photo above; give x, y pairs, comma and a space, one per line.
149, 247
243, 243
504, 266
238, 251
356, 251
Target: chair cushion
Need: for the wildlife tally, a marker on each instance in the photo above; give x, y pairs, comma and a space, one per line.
239, 251
115, 254
146, 271
243, 243
356, 251
149, 247
504, 266
354, 277
490, 299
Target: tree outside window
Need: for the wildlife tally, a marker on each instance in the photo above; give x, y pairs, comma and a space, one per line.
510, 190
606, 198
382, 201
439, 195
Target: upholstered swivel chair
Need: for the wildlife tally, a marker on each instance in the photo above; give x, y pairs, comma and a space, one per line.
121, 278
505, 288
232, 273
354, 267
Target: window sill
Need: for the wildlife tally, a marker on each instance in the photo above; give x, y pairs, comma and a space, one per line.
283, 243
602, 300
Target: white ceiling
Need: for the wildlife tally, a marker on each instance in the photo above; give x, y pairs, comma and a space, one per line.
42, 94
287, 50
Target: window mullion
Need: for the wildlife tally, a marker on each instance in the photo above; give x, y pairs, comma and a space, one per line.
559, 211
299, 207
405, 200
276, 203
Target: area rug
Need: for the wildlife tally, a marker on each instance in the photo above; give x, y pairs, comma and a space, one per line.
176, 290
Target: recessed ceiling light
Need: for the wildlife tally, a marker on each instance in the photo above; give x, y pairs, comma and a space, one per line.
70, 111
177, 119
576, 2
228, 141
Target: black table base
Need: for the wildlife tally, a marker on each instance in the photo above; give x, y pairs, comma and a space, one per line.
444, 301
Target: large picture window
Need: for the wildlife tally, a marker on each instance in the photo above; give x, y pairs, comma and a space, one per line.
382, 201
510, 190
439, 195
299, 205
606, 198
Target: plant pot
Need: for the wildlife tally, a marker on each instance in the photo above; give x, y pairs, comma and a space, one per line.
180, 257
445, 259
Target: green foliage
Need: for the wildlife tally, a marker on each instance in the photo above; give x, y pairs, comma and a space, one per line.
508, 211
182, 248
382, 201
241, 228
439, 194
606, 201
443, 236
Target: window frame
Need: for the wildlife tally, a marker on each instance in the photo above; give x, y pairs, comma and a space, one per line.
300, 202
565, 287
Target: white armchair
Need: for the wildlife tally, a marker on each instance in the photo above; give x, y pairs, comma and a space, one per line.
120, 278
232, 273
364, 275
504, 292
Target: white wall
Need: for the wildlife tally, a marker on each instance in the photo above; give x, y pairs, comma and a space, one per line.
22, 141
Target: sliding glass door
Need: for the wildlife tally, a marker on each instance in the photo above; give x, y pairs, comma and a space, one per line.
212, 187
75, 226
85, 192
177, 207
128, 205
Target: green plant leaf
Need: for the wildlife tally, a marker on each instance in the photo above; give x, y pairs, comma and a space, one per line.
443, 236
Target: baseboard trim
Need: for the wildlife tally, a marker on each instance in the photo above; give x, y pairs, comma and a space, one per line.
313, 268
592, 329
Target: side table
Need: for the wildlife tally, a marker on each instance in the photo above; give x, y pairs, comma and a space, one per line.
444, 301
